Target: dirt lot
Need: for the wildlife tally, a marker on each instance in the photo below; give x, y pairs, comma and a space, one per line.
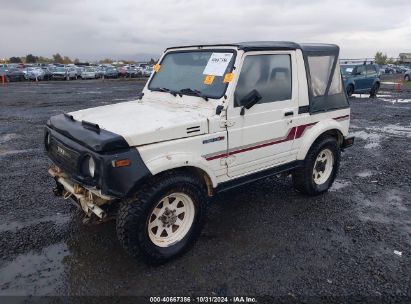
263, 239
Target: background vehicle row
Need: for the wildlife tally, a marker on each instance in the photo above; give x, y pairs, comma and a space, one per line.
20, 72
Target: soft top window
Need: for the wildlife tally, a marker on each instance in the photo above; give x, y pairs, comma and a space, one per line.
320, 69
324, 79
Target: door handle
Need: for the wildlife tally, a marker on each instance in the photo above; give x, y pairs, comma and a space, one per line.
289, 113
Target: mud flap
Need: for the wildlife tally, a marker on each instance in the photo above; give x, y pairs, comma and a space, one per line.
347, 142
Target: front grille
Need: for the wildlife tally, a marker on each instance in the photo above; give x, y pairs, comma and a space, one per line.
63, 156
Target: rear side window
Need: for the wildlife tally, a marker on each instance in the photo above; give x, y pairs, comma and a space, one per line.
360, 70
371, 70
320, 69
270, 75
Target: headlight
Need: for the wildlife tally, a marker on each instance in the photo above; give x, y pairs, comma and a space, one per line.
91, 166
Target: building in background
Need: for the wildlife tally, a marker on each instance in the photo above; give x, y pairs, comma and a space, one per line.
405, 57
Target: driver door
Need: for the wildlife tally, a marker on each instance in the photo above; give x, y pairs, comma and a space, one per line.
264, 135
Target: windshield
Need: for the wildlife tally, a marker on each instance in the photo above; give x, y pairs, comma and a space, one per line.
200, 72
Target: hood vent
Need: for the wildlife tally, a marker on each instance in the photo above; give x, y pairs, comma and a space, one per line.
193, 129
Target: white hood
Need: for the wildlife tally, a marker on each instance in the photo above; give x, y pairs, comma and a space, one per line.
147, 122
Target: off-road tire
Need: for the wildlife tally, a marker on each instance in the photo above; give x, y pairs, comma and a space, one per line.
374, 90
350, 90
133, 216
303, 176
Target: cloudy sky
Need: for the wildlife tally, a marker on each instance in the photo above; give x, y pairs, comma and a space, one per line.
132, 29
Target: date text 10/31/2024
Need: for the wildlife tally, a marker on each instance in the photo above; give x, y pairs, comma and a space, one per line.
239, 299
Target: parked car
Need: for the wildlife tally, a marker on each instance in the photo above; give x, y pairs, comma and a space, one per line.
72, 72
160, 162
59, 73
99, 71
47, 73
34, 73
110, 72
88, 73
122, 71
13, 73
407, 75
147, 71
133, 72
79, 70
3, 72
64, 73
363, 78
389, 70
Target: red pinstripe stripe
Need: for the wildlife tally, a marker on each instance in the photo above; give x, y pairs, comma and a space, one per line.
290, 136
341, 117
295, 132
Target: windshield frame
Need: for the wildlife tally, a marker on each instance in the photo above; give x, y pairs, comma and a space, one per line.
210, 50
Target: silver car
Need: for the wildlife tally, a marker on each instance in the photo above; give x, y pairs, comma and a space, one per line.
34, 73
88, 73
407, 75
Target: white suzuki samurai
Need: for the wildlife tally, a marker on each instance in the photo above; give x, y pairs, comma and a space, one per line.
210, 118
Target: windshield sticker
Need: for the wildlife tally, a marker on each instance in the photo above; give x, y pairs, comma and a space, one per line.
156, 67
209, 79
217, 64
228, 77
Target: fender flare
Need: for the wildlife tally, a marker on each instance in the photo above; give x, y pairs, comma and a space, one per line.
316, 131
180, 160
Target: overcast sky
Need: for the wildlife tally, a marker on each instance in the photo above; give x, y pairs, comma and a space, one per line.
131, 29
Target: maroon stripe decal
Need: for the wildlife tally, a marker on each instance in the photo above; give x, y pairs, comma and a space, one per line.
342, 117
217, 156
301, 129
290, 136
294, 133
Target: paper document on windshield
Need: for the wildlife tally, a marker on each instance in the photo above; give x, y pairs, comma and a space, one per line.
217, 64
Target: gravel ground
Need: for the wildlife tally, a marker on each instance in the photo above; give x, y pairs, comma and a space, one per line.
262, 239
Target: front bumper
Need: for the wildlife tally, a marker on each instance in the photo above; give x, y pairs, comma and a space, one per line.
89, 199
59, 76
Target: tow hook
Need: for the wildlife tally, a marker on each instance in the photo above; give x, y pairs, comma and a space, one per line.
58, 190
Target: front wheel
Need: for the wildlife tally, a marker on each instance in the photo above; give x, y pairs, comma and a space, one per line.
320, 167
407, 78
350, 90
164, 220
374, 90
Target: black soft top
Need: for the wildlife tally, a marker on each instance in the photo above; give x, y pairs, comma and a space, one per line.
248, 46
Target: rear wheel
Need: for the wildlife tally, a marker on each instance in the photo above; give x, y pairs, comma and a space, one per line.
374, 89
320, 167
350, 90
407, 78
164, 220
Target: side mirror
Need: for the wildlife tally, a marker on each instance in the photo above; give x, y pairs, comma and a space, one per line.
250, 100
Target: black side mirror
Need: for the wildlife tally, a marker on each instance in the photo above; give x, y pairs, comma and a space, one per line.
250, 100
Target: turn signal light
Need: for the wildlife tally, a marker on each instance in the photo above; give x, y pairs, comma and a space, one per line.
121, 163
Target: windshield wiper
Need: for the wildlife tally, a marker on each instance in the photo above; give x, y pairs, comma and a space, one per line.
174, 93
189, 91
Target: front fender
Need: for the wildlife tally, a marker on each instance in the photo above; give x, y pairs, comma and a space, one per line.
313, 133
178, 160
